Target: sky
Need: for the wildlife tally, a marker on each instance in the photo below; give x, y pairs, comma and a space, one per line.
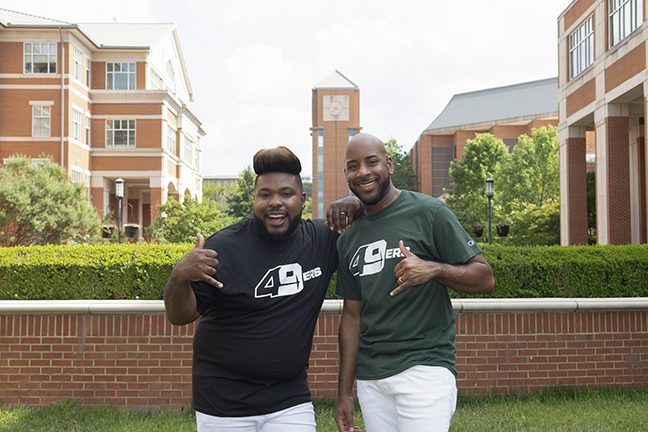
253, 63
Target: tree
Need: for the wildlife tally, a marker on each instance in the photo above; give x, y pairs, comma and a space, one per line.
482, 158
531, 175
179, 223
219, 194
241, 202
403, 177
39, 205
529, 189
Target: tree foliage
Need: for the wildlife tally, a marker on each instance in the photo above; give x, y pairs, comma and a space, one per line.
219, 194
531, 175
403, 177
179, 223
241, 202
39, 205
526, 189
482, 158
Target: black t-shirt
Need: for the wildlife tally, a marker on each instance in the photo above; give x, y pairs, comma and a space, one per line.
252, 344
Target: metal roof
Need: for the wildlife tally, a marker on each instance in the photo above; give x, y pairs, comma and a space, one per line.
126, 34
12, 18
336, 80
516, 102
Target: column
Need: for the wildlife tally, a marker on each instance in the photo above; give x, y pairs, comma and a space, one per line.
614, 148
573, 186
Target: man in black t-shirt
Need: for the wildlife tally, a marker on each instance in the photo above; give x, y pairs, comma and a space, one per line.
257, 287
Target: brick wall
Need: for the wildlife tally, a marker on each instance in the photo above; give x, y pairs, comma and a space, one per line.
140, 361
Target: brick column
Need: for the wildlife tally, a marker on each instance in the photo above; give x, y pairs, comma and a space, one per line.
576, 191
618, 180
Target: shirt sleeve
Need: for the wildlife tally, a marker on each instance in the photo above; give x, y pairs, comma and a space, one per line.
452, 241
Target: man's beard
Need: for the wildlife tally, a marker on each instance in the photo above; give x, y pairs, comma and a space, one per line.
292, 226
382, 193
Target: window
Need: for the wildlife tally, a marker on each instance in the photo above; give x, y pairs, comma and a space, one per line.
76, 175
171, 74
581, 48
320, 173
76, 68
171, 140
76, 124
88, 190
87, 129
120, 76
120, 133
88, 67
155, 81
41, 116
40, 57
197, 160
187, 151
625, 16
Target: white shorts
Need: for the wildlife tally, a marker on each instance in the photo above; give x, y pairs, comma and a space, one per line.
299, 418
421, 398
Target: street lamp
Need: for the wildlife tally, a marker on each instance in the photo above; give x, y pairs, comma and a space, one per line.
119, 191
489, 195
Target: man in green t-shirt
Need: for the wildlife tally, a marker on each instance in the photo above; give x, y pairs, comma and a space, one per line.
397, 332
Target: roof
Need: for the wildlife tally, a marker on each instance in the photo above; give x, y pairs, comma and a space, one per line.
336, 80
12, 18
125, 34
103, 35
531, 99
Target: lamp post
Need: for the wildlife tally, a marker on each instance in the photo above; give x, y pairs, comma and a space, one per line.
489, 195
119, 192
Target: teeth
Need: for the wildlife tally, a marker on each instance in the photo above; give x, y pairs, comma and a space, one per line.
275, 216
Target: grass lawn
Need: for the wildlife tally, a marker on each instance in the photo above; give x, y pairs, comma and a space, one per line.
616, 411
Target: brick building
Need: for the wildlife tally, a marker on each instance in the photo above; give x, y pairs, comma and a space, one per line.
336, 118
602, 90
104, 101
506, 112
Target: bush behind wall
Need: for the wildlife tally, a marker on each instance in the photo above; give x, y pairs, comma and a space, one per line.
131, 271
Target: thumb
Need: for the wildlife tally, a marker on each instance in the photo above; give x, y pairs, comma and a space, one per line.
200, 241
404, 250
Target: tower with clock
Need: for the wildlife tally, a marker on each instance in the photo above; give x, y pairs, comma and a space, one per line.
336, 118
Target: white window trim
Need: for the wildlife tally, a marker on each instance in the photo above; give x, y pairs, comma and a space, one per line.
581, 47
77, 59
636, 19
24, 58
128, 75
48, 117
171, 134
129, 131
77, 120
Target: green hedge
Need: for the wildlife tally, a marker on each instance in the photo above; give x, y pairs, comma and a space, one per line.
125, 271
139, 271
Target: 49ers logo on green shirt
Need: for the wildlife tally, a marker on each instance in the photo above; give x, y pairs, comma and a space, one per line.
370, 258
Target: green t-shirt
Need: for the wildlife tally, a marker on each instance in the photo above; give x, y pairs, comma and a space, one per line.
417, 326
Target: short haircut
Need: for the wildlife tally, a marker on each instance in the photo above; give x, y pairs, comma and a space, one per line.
279, 159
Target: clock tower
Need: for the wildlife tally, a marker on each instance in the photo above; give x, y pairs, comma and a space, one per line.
336, 118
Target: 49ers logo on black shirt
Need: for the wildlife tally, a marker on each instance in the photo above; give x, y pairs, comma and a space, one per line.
284, 280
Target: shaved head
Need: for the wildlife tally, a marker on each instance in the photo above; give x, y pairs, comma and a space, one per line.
367, 143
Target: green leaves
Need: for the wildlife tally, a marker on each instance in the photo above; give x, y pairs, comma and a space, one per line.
181, 222
526, 189
39, 205
403, 176
241, 202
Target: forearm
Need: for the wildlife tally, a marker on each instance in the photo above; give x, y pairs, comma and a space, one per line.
349, 340
474, 277
179, 301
